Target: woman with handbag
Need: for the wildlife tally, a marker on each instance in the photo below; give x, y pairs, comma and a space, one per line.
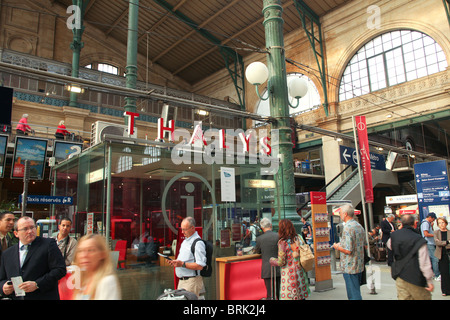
441, 239
294, 280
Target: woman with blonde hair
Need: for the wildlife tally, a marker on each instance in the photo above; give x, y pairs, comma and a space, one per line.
294, 280
98, 278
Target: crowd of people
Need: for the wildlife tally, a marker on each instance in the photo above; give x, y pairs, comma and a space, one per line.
32, 266
416, 253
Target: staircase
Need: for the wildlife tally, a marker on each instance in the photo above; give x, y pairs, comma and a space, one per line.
349, 189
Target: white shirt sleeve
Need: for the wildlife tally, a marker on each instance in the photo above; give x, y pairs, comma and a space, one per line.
108, 289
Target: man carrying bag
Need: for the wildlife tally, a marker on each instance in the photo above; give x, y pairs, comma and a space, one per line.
411, 268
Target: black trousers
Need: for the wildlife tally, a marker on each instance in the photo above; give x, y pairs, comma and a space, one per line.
445, 273
390, 257
269, 289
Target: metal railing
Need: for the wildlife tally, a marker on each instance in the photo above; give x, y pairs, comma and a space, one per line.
48, 132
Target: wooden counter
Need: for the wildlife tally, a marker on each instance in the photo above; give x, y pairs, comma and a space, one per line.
229, 281
238, 258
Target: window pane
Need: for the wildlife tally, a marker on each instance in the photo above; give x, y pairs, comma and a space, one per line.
397, 56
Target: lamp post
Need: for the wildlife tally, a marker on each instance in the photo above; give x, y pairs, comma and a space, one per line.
132, 44
76, 45
257, 74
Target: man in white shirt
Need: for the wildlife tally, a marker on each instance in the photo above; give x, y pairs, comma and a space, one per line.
188, 265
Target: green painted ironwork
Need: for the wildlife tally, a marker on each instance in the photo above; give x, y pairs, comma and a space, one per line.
447, 9
230, 56
314, 33
76, 45
132, 44
285, 201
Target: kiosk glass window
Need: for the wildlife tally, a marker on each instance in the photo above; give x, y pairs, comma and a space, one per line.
138, 196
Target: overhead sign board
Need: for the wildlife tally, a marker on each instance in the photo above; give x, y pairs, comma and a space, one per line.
348, 157
432, 186
432, 182
402, 199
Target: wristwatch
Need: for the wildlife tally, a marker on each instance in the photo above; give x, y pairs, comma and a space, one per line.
184, 264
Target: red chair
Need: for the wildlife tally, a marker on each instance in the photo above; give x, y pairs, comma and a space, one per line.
64, 292
121, 246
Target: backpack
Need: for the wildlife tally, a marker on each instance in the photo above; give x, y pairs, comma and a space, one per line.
257, 230
419, 225
207, 270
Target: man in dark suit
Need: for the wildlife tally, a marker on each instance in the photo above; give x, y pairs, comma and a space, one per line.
267, 246
6, 226
387, 227
37, 260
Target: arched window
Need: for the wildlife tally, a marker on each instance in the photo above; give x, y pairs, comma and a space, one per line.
390, 59
309, 102
103, 67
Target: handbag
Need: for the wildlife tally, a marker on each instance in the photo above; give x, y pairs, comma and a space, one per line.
306, 256
398, 265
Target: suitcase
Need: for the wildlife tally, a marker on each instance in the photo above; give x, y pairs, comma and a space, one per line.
380, 254
178, 294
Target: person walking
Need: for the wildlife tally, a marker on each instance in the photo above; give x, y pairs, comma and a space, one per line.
188, 265
294, 280
426, 230
411, 268
352, 245
267, 246
441, 239
36, 260
387, 227
98, 280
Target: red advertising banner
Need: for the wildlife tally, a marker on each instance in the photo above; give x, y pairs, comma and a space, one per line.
363, 142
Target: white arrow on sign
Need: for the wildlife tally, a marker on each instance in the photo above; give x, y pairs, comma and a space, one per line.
346, 155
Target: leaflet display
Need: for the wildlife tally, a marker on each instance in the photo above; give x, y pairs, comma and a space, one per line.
321, 232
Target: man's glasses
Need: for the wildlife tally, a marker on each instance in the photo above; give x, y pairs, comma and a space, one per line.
27, 229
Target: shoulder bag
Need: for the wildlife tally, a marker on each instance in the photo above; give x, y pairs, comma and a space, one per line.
306, 255
398, 265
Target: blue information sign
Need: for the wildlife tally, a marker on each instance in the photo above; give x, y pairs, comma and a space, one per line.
431, 185
348, 157
39, 199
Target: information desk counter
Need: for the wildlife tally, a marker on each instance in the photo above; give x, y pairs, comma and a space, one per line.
239, 278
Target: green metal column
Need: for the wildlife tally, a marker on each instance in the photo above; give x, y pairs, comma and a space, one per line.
447, 9
314, 34
132, 44
285, 204
76, 46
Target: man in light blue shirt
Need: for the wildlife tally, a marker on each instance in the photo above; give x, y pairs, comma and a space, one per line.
188, 265
426, 230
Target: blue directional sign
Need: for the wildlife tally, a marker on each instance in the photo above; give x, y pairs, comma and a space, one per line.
432, 186
432, 182
349, 157
40, 199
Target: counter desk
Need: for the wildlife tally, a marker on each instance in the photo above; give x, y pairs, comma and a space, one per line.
239, 278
